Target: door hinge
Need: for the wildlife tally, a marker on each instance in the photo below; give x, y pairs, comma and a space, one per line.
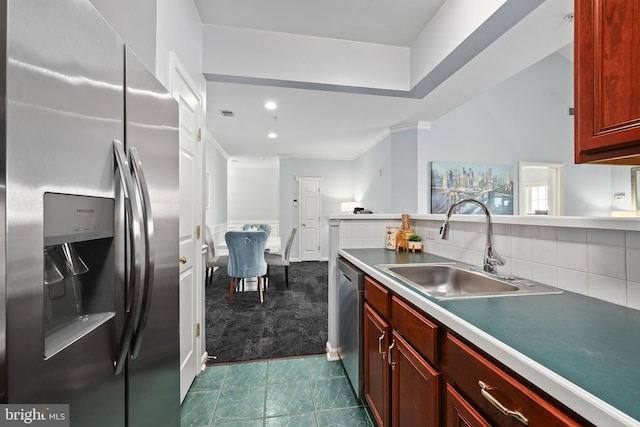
197, 231
197, 330
199, 134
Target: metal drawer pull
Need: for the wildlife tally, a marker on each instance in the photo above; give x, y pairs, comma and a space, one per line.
380, 343
499, 406
392, 363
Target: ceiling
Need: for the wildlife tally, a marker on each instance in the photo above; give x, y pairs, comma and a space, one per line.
314, 121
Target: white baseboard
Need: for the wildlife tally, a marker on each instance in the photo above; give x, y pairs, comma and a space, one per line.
332, 353
203, 361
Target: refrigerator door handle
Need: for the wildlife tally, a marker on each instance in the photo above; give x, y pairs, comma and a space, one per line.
133, 218
149, 267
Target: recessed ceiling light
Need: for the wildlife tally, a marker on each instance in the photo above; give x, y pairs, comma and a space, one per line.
270, 105
272, 135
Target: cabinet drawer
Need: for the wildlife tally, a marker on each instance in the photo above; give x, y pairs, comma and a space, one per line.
420, 332
466, 368
377, 296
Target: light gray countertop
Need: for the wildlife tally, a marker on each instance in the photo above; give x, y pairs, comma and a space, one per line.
582, 351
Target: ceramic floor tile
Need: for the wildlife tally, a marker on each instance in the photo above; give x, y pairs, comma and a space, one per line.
297, 392
240, 403
332, 393
197, 408
320, 367
288, 370
210, 379
348, 417
289, 398
246, 374
243, 423
299, 420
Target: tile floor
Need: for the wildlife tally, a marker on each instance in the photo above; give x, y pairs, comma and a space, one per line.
296, 392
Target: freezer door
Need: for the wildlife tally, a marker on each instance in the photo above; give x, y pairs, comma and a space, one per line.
152, 131
64, 106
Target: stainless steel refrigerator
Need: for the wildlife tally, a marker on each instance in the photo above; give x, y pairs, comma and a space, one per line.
89, 253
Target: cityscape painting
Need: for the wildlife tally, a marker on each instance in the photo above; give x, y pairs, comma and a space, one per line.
489, 183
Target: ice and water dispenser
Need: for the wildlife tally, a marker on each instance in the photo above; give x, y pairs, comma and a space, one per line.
79, 268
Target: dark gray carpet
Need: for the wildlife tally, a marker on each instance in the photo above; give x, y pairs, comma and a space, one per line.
291, 322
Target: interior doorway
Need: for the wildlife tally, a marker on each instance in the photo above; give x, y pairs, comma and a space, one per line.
541, 189
309, 195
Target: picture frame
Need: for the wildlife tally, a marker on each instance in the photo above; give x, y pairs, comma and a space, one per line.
491, 184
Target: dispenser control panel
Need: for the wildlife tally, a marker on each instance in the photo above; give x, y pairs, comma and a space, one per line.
73, 218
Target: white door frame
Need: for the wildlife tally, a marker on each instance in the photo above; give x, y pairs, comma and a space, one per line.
179, 72
305, 225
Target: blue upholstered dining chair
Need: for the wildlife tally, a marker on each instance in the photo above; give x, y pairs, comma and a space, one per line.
246, 258
282, 259
265, 227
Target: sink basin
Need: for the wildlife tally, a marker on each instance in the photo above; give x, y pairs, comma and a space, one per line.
456, 280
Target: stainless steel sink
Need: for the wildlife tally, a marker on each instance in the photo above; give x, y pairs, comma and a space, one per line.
456, 280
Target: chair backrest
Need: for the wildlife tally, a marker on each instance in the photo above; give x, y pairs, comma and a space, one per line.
208, 238
287, 249
246, 253
265, 227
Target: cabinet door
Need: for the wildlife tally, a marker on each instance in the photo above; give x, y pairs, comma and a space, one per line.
607, 81
460, 413
376, 371
414, 387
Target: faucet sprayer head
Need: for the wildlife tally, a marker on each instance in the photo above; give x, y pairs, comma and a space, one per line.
444, 230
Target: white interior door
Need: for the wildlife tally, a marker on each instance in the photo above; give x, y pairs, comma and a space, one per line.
309, 197
189, 101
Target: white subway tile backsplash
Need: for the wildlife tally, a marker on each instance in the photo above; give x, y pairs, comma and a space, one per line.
633, 239
521, 248
473, 257
501, 230
544, 233
633, 265
573, 256
544, 273
606, 237
633, 295
603, 264
502, 245
573, 281
521, 268
575, 235
608, 289
521, 231
544, 251
607, 261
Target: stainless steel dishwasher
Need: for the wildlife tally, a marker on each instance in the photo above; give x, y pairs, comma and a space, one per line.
350, 282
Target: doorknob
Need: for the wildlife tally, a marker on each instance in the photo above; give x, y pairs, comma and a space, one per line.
304, 225
183, 260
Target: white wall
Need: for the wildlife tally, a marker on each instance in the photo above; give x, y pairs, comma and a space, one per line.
266, 54
179, 30
525, 118
404, 171
370, 187
135, 21
252, 193
337, 179
216, 170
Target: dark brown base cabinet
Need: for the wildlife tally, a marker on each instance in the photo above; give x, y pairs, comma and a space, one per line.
401, 387
404, 351
460, 413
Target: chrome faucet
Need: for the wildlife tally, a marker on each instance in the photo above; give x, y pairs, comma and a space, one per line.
491, 257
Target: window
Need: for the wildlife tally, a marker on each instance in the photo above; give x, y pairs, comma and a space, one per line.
537, 199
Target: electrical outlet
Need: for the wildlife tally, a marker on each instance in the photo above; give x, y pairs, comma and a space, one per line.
430, 234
